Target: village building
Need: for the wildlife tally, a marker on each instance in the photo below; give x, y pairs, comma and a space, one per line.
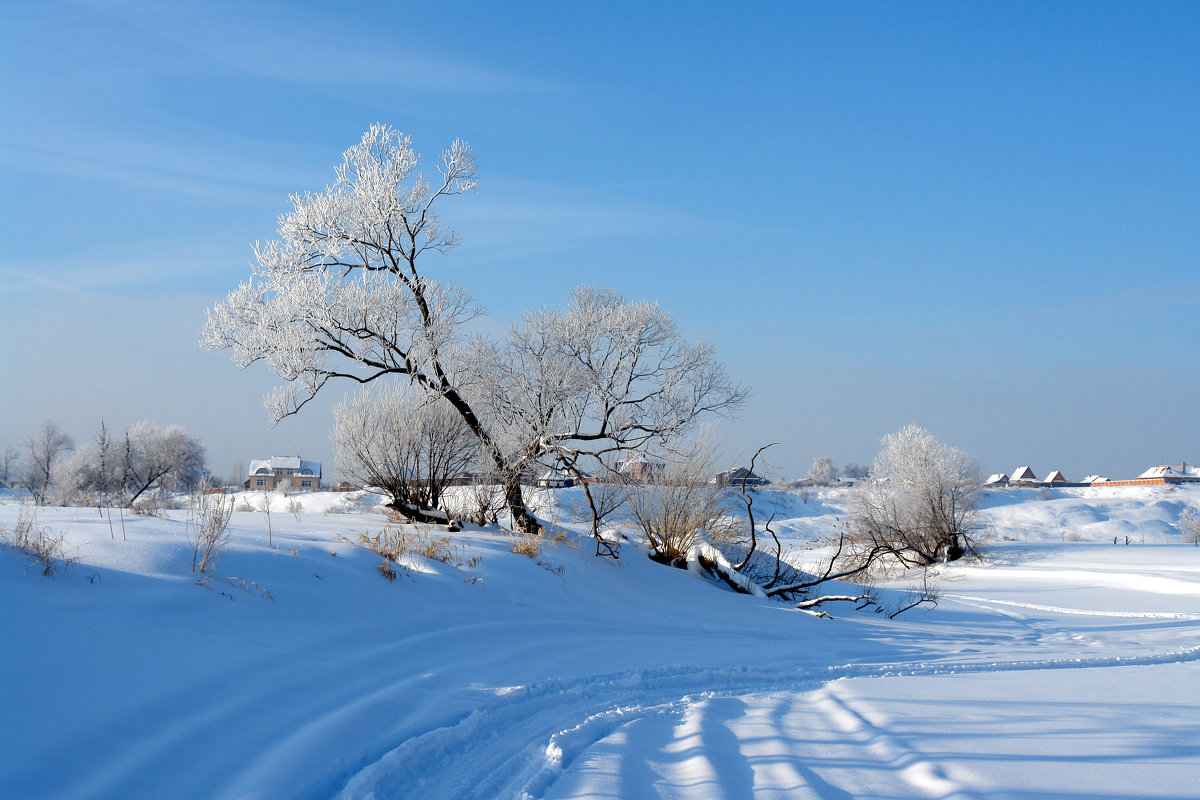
288, 473
736, 476
997, 479
1056, 477
556, 479
640, 468
1024, 475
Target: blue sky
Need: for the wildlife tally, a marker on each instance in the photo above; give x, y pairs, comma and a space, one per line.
982, 218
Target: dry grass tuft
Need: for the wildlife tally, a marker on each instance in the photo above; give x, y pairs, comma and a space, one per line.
395, 544
150, 505
38, 541
527, 546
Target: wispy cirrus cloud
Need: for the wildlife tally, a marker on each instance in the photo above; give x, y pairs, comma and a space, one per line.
290, 44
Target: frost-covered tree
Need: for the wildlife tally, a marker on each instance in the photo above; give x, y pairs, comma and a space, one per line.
574, 387
854, 472
822, 471
71, 476
237, 473
154, 457
343, 293
1189, 525
402, 442
45, 448
10, 460
918, 500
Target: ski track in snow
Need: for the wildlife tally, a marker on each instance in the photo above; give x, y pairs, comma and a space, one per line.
515, 746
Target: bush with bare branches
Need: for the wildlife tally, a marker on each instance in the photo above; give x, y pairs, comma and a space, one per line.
208, 529
681, 508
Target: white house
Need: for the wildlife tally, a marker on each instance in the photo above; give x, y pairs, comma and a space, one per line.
285, 472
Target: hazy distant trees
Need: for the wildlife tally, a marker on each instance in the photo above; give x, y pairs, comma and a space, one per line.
854, 472
144, 457
10, 462
45, 448
400, 441
237, 473
159, 457
918, 501
822, 471
343, 293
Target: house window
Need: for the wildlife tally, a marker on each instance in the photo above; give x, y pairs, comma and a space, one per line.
260, 482
306, 484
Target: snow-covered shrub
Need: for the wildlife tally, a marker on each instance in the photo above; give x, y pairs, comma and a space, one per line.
70, 477
918, 502
1189, 525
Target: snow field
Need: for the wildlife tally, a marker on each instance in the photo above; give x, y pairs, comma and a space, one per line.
1054, 669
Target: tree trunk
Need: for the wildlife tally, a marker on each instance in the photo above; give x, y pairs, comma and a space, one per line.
522, 520
428, 516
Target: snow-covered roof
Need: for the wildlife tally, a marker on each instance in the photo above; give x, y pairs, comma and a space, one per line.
1161, 471
642, 458
999, 477
270, 465
1095, 479
737, 475
1024, 473
1056, 477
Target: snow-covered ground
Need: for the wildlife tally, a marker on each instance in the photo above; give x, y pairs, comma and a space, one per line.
1062, 666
